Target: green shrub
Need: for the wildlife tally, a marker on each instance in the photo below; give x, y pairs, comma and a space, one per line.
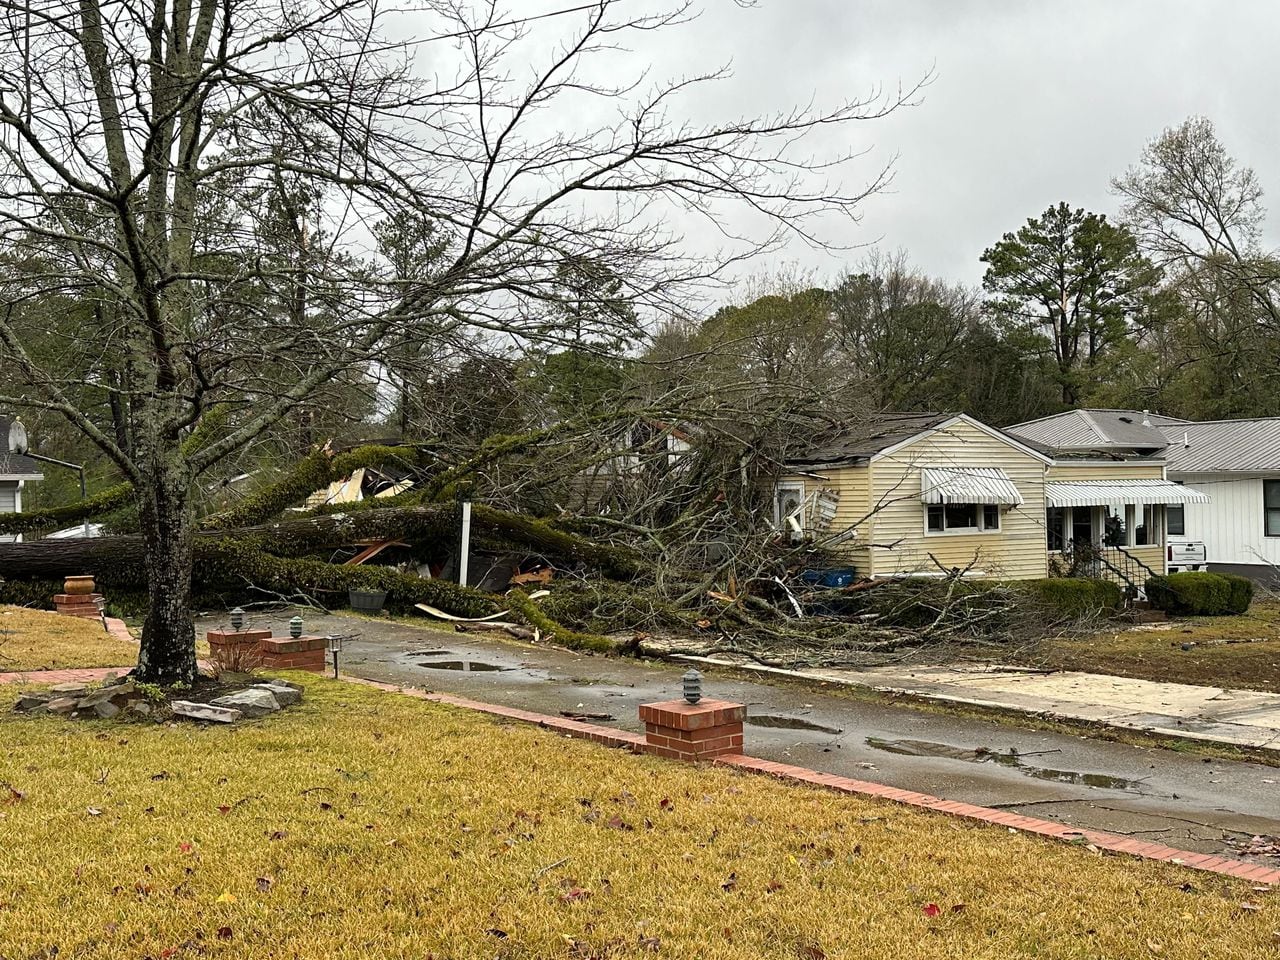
1075, 596
1199, 594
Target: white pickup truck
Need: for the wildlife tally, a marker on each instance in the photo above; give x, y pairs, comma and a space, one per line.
1186, 555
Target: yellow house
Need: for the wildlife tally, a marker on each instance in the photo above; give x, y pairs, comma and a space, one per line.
926, 494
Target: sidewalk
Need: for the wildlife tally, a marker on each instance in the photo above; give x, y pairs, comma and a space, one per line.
1240, 718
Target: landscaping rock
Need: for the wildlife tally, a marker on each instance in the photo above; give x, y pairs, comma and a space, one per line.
105, 709
117, 695
31, 702
63, 705
68, 689
204, 711
254, 702
139, 708
286, 694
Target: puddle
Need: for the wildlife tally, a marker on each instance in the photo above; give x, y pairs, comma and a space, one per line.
788, 723
465, 666
926, 748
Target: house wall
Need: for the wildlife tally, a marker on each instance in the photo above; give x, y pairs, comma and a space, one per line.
1232, 525
852, 485
10, 502
1016, 551
1107, 471
1153, 556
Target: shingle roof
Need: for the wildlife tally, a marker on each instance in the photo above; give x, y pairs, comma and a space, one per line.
1224, 446
861, 441
15, 464
1098, 430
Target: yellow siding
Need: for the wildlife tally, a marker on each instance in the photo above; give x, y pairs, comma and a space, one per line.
1107, 471
851, 485
900, 544
1152, 556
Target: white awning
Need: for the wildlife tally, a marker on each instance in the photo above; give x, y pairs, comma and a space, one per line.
968, 485
1096, 493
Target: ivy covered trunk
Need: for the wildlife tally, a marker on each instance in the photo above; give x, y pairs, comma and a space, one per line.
168, 653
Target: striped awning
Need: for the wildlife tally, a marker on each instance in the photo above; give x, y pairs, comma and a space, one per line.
1095, 493
968, 485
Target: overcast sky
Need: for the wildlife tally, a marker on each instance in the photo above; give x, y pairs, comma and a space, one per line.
1031, 103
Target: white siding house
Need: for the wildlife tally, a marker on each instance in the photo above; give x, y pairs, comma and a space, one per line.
15, 471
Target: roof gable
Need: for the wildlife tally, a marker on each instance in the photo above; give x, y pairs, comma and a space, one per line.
1002, 436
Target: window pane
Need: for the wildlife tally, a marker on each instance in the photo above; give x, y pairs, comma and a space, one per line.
1175, 520
935, 517
1146, 532
1115, 534
1082, 525
1054, 521
1271, 493
1273, 522
990, 517
961, 515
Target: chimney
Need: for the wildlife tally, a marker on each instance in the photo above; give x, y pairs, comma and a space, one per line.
1146, 418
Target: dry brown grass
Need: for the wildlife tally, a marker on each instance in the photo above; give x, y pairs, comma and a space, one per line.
40, 640
364, 825
1239, 651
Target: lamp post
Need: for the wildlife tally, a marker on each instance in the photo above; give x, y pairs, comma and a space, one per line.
18, 444
335, 647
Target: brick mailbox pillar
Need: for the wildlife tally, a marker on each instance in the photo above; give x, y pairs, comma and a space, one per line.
78, 605
295, 653
237, 649
692, 731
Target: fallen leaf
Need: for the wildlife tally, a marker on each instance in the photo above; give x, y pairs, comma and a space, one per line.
730, 883
94, 812
574, 894
278, 834
957, 908
264, 884
495, 932
224, 933
185, 847
225, 897
617, 823
1155, 947
931, 909
808, 951
1251, 907
224, 808
773, 887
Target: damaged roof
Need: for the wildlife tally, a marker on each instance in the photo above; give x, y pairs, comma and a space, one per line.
15, 465
1098, 430
859, 441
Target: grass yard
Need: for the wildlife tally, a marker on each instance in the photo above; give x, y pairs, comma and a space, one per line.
365, 824
1239, 651
41, 640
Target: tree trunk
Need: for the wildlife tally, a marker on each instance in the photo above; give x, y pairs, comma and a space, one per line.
168, 653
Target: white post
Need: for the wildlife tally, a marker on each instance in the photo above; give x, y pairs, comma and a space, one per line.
464, 548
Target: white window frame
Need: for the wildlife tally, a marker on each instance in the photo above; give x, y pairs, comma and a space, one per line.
787, 486
979, 530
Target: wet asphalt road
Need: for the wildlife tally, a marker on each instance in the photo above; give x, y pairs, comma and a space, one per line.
1149, 793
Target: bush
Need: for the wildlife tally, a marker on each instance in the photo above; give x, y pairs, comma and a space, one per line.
1075, 596
1199, 594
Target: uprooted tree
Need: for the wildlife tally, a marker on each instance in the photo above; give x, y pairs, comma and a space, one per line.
191, 193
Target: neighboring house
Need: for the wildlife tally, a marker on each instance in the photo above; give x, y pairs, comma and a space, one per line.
15, 471
1236, 463
926, 493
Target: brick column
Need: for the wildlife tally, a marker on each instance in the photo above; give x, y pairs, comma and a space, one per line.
295, 653
692, 731
237, 650
78, 604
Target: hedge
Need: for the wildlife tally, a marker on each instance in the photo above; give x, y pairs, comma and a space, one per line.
1075, 596
1200, 594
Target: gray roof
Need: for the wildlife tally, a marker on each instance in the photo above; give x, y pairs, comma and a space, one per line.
851, 443
1098, 430
15, 464
1224, 446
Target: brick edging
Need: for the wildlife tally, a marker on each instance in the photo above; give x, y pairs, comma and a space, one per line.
1111, 842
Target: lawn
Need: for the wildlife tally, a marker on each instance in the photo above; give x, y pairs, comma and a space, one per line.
365, 824
40, 640
1240, 651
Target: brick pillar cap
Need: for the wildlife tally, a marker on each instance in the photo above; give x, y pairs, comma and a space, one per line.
682, 715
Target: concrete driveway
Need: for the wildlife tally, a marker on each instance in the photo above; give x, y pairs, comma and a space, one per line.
1160, 795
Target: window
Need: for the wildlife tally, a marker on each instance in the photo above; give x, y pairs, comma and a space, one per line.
961, 517
1271, 507
1115, 532
788, 514
1147, 533
1055, 521
1175, 519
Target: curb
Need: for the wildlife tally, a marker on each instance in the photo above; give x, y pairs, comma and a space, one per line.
1111, 842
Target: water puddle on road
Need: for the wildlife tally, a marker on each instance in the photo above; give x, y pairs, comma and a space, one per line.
788, 723
926, 748
465, 666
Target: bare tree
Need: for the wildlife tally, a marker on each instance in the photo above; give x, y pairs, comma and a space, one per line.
174, 128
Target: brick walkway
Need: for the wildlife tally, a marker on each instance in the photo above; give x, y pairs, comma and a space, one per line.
1111, 842
634, 742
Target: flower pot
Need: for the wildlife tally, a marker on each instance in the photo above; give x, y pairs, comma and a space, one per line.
367, 601
78, 586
